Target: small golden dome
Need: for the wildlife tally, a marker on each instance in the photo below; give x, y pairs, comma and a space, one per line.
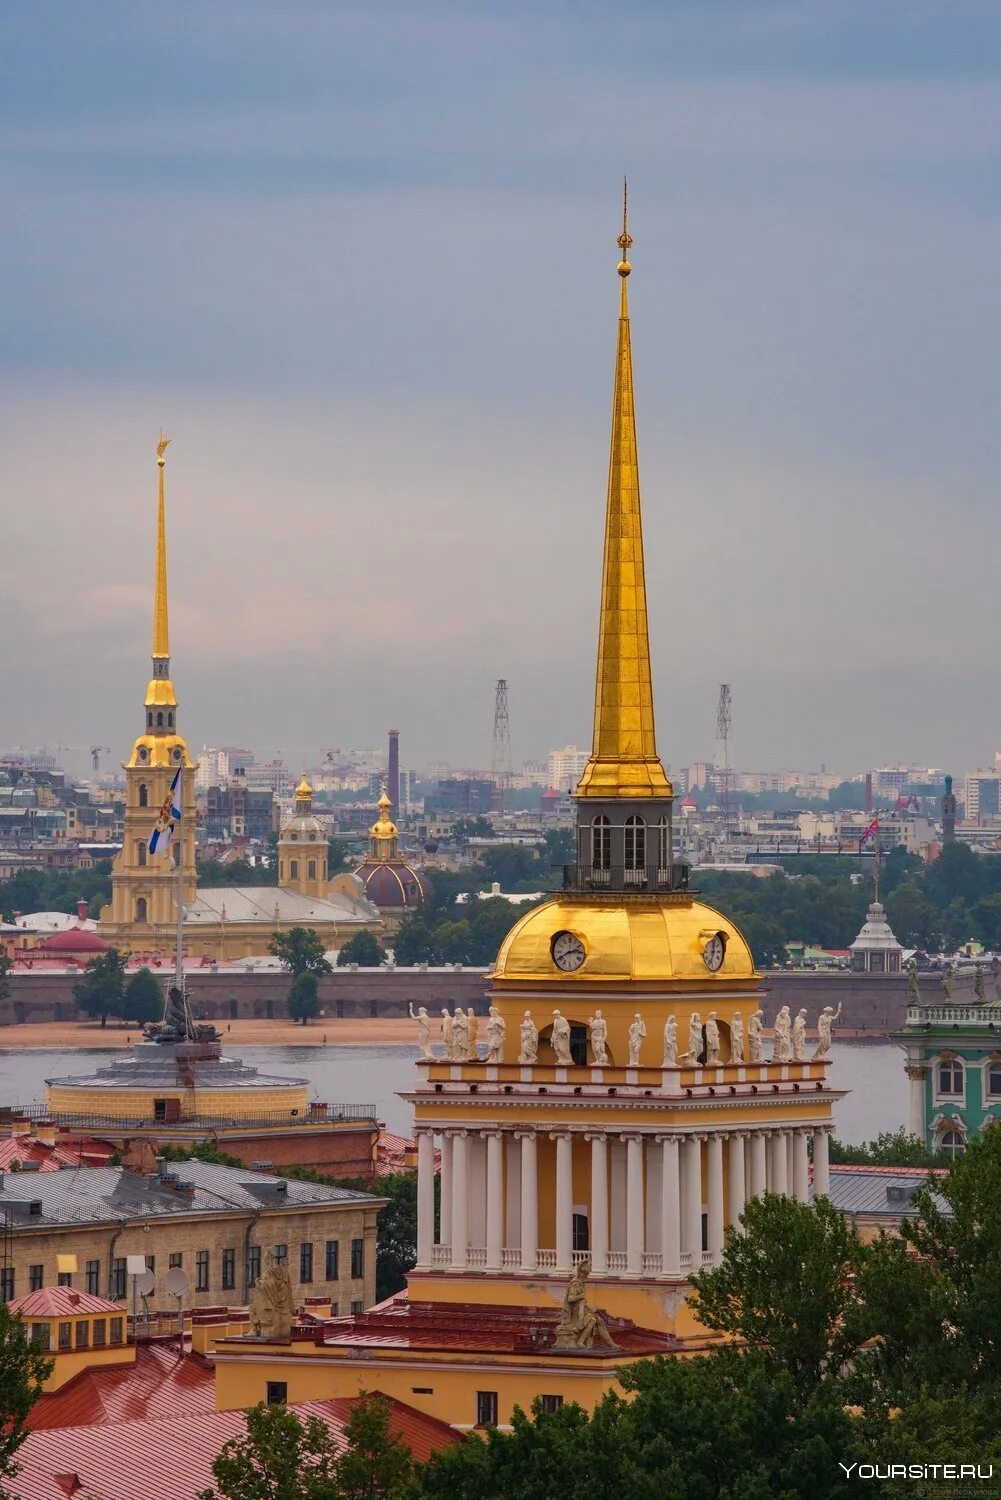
303, 790
640, 940
384, 803
623, 268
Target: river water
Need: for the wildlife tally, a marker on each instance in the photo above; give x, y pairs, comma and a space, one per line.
872, 1071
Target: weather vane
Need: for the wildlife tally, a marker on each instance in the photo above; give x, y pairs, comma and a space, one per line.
625, 239
161, 448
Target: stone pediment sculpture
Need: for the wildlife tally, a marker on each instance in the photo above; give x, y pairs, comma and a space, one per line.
529, 1040
799, 1037
671, 1042
598, 1032
637, 1033
423, 1029
460, 1035
712, 1040
580, 1327
825, 1021
271, 1302
496, 1032
559, 1039
754, 1021
782, 1028
736, 1038
446, 1032
694, 1038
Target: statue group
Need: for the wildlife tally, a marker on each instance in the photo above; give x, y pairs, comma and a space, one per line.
272, 1302
705, 1038
580, 1326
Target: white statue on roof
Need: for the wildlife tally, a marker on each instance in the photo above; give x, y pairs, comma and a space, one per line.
496, 1033
423, 1029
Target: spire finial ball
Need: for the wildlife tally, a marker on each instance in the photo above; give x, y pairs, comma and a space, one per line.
623, 268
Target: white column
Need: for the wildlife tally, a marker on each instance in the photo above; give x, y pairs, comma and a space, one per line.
736, 1185
821, 1170
670, 1208
693, 1200
445, 1235
759, 1171
495, 1199
425, 1198
916, 1099
790, 1162
800, 1166
564, 1201
512, 1193
460, 1202
714, 1196
529, 1203
779, 1164
634, 1205
598, 1222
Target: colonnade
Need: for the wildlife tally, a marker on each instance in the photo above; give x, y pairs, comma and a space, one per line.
655, 1204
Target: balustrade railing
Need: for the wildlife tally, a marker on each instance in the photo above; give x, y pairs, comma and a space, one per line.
476, 1255
651, 877
510, 1258
617, 1260
547, 1260
686, 1260
652, 1261
577, 1256
441, 1255
707, 1258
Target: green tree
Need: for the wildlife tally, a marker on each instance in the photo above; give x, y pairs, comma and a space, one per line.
512, 867
280, 1458
303, 998
784, 1286
339, 857
415, 942
23, 1371
376, 1464
143, 998
212, 873
986, 917
896, 1148
464, 829
911, 916
100, 991
363, 949
301, 951
5, 967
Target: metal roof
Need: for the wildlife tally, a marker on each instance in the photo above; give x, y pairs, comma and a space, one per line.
867, 1190
99, 1194
257, 903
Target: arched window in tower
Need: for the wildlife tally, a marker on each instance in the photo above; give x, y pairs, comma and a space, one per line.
601, 843
663, 844
293, 869
311, 869
159, 720
143, 794
141, 852
170, 721
141, 909
950, 1076
635, 845
994, 1080
952, 1143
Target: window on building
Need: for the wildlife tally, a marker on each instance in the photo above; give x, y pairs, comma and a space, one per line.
253, 1265
293, 869
276, 1393
486, 1408
228, 1270
114, 1330
175, 1260
601, 843
151, 1263
281, 1253
578, 1045
201, 1271
635, 844
93, 1273
335, 1309
952, 1143
581, 1232
357, 1307
306, 1261
143, 794
141, 852
118, 1277
36, 1278
551, 1403
7, 1283
357, 1257
83, 1334
333, 1260
663, 844
100, 1332
159, 720
950, 1076
311, 869
64, 1278
141, 909
66, 1335
41, 1335
994, 1080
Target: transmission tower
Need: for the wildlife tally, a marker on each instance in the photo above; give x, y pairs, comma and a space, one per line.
500, 764
724, 723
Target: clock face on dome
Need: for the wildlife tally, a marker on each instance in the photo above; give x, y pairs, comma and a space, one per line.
714, 953
568, 952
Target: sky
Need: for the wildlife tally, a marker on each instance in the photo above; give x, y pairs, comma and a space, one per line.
359, 262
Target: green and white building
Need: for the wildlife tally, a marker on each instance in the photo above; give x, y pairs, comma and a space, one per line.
953, 1061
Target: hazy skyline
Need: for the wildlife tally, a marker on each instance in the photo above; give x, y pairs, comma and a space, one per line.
359, 262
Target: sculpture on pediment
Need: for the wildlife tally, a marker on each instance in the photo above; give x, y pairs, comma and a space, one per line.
799, 1037
979, 993
637, 1033
694, 1039
737, 1038
580, 1327
272, 1302
423, 1028
496, 1033
460, 1035
782, 1029
559, 1040
671, 1042
825, 1021
529, 1040
712, 1040
948, 981
913, 988
597, 1029
446, 1032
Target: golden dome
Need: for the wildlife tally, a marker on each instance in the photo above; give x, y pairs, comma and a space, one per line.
160, 750
384, 827
303, 790
645, 940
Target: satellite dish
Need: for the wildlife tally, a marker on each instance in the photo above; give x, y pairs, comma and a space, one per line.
145, 1282
176, 1282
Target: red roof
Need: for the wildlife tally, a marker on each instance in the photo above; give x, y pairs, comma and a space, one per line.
156, 1386
174, 1456
70, 1152
60, 1302
479, 1328
74, 940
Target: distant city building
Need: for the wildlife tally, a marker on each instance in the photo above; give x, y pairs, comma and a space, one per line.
566, 767
274, 774
953, 1049
876, 950
981, 796
236, 811
464, 797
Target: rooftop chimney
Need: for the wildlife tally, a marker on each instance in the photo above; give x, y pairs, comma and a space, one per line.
393, 776
82, 909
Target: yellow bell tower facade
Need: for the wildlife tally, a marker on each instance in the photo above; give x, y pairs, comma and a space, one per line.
302, 848
143, 910
625, 1108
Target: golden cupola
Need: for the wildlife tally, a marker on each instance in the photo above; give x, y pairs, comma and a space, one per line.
302, 847
388, 880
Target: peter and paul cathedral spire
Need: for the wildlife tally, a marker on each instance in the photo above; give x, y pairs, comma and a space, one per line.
624, 817
160, 693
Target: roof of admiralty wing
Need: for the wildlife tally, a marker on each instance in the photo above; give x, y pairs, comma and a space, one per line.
642, 939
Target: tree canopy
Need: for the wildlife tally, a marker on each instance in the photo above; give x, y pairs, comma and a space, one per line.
363, 949
100, 991
23, 1371
56, 890
301, 951
142, 1001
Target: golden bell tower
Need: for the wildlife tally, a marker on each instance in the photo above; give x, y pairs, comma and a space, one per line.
143, 909
302, 848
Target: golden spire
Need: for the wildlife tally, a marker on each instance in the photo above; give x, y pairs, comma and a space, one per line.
624, 760
161, 641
